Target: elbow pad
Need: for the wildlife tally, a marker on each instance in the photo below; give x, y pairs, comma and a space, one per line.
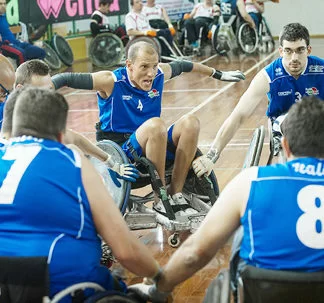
178, 67
73, 80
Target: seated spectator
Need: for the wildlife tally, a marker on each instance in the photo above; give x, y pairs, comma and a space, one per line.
57, 205
7, 78
203, 15
138, 25
99, 20
11, 47
258, 199
157, 16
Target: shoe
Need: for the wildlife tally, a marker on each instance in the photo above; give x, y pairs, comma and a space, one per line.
194, 44
181, 206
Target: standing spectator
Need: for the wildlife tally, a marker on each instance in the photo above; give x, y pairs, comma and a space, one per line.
11, 47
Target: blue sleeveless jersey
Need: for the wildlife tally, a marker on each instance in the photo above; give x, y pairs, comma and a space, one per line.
44, 211
285, 90
2, 104
128, 107
284, 218
228, 8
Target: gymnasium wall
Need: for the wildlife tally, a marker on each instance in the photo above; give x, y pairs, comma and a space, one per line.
306, 12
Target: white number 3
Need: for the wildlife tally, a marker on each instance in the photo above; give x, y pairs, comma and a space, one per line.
310, 225
22, 157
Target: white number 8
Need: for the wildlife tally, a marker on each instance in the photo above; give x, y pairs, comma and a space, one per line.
313, 214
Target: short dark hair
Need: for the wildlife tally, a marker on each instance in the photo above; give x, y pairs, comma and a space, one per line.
40, 113
304, 128
136, 47
105, 2
294, 32
31, 68
8, 110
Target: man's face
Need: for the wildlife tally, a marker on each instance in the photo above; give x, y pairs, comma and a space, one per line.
44, 82
294, 56
143, 70
103, 8
151, 2
137, 7
3, 6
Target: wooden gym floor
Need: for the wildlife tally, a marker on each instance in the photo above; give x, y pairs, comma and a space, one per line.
212, 101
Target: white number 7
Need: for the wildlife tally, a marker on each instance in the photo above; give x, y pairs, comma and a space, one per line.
22, 157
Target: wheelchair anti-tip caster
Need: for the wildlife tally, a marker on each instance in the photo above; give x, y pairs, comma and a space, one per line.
174, 240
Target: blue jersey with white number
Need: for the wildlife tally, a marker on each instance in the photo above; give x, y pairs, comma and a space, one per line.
44, 211
285, 90
284, 218
228, 8
128, 107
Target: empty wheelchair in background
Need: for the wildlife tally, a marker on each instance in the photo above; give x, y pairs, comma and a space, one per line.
232, 34
106, 50
200, 195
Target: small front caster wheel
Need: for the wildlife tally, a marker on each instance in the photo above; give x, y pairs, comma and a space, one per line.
174, 240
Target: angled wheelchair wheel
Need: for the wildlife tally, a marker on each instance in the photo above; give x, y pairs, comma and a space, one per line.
205, 188
247, 38
120, 193
106, 50
36, 32
253, 155
51, 58
62, 49
155, 43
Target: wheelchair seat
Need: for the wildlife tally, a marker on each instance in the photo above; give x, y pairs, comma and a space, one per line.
24, 280
264, 285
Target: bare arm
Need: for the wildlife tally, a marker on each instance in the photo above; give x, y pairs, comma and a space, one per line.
245, 107
85, 145
103, 82
259, 6
129, 251
244, 13
166, 17
222, 220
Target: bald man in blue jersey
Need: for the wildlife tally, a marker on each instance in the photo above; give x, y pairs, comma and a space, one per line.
258, 199
129, 100
284, 81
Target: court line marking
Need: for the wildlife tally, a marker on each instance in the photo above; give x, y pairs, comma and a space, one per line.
225, 88
190, 90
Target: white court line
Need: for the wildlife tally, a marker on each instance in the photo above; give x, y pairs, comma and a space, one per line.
80, 92
225, 88
189, 90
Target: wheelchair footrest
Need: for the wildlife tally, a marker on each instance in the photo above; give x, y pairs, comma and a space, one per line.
138, 220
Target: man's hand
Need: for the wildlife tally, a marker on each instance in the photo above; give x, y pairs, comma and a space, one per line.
126, 172
150, 33
204, 164
172, 30
230, 76
149, 292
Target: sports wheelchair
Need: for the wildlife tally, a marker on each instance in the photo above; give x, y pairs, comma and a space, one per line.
107, 48
157, 42
26, 280
232, 34
201, 194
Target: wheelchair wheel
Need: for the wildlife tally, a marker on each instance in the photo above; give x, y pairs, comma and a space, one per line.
106, 50
62, 49
247, 38
119, 194
51, 58
253, 155
155, 43
36, 32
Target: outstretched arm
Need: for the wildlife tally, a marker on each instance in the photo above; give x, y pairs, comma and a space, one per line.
111, 226
178, 67
202, 246
245, 107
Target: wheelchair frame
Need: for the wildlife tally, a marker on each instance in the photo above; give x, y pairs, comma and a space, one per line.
139, 216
